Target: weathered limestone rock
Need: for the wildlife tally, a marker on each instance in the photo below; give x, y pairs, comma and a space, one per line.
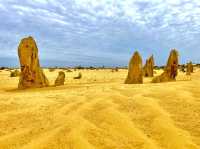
15, 73
189, 69
31, 73
68, 70
148, 68
52, 69
79, 76
135, 74
171, 70
116, 69
182, 68
60, 80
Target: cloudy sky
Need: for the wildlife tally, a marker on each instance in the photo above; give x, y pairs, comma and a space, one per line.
100, 32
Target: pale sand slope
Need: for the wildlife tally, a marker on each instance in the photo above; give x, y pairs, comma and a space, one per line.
100, 112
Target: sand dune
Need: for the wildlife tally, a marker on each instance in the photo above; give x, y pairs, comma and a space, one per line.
99, 111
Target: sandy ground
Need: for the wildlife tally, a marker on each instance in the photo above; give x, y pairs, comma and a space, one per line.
100, 112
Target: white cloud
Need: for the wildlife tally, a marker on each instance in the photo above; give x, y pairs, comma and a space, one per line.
41, 1
111, 22
179, 10
174, 2
141, 12
2, 7
40, 13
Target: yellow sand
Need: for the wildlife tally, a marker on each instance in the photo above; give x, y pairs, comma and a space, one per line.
100, 112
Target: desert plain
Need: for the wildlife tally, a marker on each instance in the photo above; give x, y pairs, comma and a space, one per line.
99, 111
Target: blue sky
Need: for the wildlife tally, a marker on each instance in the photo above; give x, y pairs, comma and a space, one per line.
100, 32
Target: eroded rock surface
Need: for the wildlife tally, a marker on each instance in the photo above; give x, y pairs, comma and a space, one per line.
135, 73
31, 73
189, 68
148, 68
60, 80
171, 69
